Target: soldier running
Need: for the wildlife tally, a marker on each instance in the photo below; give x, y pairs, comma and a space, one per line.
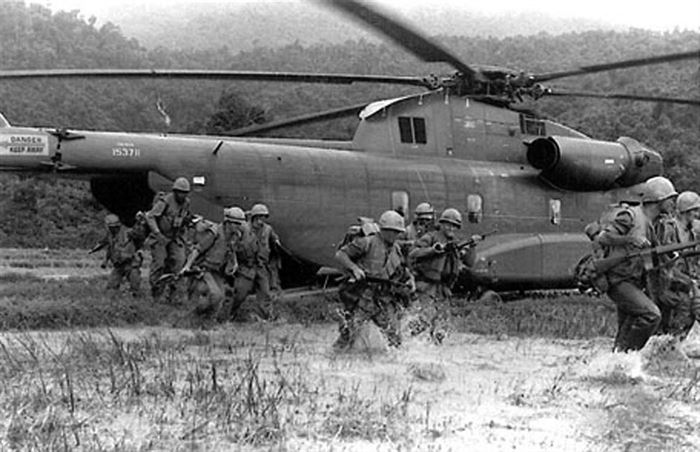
380, 284
436, 262
630, 230
257, 242
214, 258
678, 296
123, 253
168, 221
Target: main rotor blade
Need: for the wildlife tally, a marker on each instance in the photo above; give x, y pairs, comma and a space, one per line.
404, 36
536, 78
670, 100
298, 120
202, 74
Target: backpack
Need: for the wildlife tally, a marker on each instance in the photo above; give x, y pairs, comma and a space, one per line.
586, 275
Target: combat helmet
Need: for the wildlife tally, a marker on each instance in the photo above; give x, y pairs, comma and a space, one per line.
181, 184
658, 189
392, 221
234, 214
451, 216
688, 200
259, 209
112, 220
424, 210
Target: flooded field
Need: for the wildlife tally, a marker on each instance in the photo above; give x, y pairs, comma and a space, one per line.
86, 370
278, 385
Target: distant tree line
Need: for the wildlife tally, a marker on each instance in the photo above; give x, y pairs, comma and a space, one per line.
47, 211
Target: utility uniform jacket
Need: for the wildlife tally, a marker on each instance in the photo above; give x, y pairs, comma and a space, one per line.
688, 265
170, 217
375, 257
627, 221
253, 249
213, 247
670, 275
431, 266
121, 248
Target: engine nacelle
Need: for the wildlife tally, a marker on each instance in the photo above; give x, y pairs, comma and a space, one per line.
584, 164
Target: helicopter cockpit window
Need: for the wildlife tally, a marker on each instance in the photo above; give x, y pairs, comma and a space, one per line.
474, 208
532, 126
555, 211
412, 130
399, 202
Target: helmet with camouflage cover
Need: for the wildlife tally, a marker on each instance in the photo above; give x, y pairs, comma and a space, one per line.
451, 216
112, 220
259, 209
658, 189
688, 200
424, 210
392, 221
181, 184
234, 214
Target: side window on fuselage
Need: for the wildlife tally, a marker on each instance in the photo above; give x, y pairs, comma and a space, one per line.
412, 130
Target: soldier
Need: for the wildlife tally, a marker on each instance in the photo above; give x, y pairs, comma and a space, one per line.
677, 295
123, 253
257, 243
631, 229
436, 263
380, 283
168, 221
423, 222
213, 255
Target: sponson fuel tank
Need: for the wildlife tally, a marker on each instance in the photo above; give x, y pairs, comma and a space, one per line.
583, 164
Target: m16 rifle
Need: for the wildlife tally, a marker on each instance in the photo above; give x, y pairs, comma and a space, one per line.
97, 247
650, 256
175, 276
464, 244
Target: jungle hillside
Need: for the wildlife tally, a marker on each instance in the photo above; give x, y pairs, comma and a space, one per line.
47, 211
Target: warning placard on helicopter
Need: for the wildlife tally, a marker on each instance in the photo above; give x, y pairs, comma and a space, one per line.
24, 144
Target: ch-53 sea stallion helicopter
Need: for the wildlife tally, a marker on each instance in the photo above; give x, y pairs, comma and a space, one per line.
458, 143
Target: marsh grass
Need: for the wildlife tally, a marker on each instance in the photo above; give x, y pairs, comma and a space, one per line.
74, 392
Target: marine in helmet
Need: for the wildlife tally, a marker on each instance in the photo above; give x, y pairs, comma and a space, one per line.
423, 222
631, 230
123, 254
213, 258
676, 291
382, 299
436, 262
256, 252
168, 221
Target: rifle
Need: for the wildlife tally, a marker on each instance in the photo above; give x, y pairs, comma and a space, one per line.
341, 276
176, 276
97, 247
650, 256
468, 243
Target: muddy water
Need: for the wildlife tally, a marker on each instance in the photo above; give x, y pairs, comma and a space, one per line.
472, 393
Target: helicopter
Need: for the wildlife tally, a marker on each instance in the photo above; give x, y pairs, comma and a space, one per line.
460, 142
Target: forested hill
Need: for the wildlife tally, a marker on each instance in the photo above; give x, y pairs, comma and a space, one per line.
245, 26
54, 212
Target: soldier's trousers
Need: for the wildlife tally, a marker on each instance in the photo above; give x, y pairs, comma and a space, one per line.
678, 319
259, 281
430, 312
637, 316
207, 292
367, 303
167, 257
130, 271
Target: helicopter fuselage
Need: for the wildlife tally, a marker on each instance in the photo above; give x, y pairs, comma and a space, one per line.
449, 151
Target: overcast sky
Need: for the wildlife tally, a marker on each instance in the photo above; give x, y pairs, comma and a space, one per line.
649, 14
